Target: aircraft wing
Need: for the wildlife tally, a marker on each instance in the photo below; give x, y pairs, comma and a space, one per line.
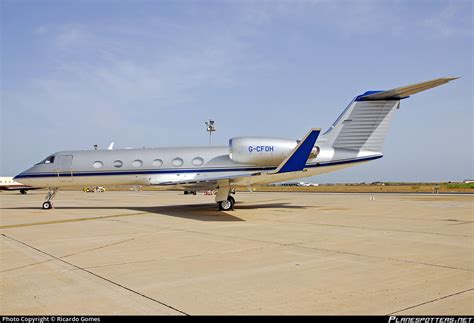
208, 183
295, 162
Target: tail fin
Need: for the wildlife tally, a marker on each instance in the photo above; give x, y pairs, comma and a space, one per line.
364, 124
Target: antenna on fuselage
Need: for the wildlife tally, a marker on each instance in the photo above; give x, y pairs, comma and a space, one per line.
210, 128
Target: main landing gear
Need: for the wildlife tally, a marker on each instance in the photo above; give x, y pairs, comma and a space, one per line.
49, 197
224, 200
226, 205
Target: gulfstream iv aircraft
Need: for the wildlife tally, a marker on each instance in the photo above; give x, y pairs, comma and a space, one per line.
355, 137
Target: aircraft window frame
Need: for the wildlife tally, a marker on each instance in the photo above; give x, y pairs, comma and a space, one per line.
197, 161
137, 163
177, 162
47, 160
117, 163
157, 162
98, 164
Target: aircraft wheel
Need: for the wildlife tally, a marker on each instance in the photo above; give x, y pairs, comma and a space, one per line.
226, 205
23, 191
47, 205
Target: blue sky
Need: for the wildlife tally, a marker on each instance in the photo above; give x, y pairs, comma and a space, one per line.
149, 73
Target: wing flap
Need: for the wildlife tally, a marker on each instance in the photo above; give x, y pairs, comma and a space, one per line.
208, 182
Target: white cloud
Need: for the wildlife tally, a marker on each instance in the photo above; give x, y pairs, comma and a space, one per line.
102, 81
71, 37
448, 21
366, 16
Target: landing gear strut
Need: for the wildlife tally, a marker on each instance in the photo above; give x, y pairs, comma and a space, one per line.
224, 200
49, 197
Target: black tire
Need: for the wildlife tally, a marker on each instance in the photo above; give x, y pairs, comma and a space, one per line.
23, 191
47, 205
226, 205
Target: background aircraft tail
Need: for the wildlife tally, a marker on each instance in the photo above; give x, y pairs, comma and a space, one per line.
364, 124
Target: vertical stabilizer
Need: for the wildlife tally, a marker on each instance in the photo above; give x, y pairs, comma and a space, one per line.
364, 124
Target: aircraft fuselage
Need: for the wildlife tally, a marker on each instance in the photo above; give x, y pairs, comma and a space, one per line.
166, 166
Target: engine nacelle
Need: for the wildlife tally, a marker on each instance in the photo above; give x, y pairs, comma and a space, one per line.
262, 151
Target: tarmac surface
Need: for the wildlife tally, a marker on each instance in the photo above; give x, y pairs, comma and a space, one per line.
277, 253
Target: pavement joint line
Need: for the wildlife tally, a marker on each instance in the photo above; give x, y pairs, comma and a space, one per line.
69, 255
370, 229
431, 301
384, 258
461, 222
296, 245
25, 266
97, 248
12, 226
144, 213
121, 264
183, 257
96, 275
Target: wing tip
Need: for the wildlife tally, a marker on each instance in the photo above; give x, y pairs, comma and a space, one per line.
452, 78
446, 79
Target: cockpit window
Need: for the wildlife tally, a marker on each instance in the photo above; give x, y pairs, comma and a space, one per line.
47, 160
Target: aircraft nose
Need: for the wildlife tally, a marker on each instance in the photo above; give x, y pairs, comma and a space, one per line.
20, 178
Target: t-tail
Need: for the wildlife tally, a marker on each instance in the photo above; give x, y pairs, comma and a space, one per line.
364, 124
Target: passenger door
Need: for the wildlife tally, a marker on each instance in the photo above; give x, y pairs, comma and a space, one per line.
65, 168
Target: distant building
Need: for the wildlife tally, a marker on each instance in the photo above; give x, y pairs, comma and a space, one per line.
307, 184
378, 183
304, 184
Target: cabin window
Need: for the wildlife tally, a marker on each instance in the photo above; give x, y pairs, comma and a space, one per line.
157, 163
177, 162
118, 163
198, 161
137, 163
98, 164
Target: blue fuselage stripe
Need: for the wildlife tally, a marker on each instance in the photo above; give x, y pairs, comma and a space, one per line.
181, 171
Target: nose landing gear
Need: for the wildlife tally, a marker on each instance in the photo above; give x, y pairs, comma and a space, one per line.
47, 205
49, 197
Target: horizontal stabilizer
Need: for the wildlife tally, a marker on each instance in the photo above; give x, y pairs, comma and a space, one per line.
296, 161
404, 91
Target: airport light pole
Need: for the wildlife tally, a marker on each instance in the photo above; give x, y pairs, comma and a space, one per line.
210, 128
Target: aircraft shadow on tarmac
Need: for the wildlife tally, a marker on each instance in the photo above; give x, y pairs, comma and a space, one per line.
200, 212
